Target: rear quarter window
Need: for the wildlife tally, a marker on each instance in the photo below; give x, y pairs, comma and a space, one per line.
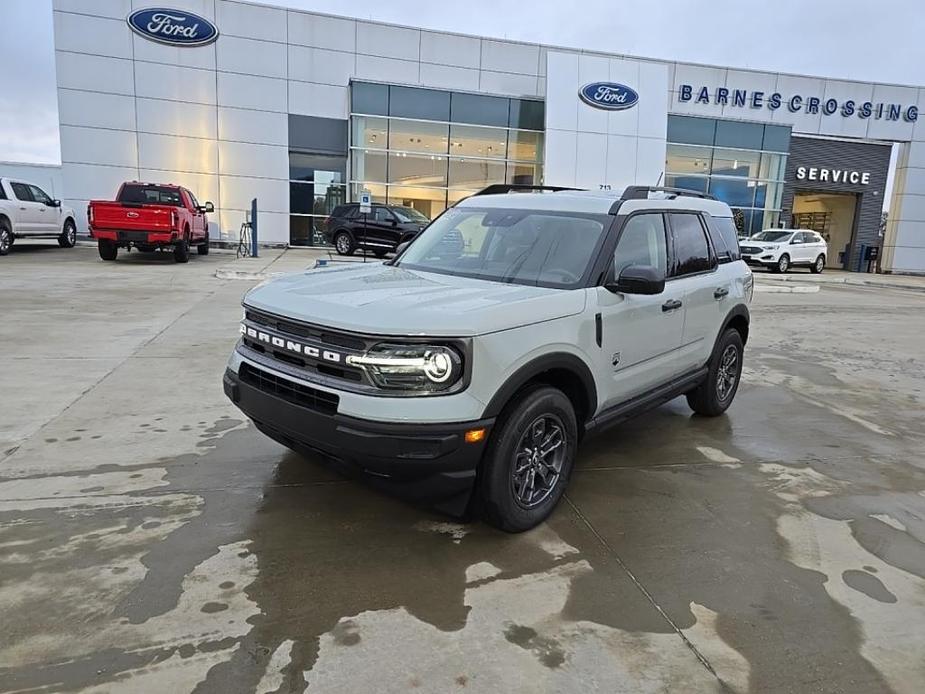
725, 239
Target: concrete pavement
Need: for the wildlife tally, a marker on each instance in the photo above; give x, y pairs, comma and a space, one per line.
151, 540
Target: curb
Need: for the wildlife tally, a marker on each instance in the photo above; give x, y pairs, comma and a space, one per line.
850, 281
223, 274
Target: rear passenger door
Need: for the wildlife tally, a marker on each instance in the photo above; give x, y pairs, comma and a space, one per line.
693, 273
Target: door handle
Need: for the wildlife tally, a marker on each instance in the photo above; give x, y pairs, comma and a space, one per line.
671, 305
23, 208
720, 293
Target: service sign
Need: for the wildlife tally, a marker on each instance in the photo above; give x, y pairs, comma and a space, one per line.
173, 27
609, 96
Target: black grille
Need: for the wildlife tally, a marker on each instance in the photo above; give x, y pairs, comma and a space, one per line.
751, 250
296, 393
293, 328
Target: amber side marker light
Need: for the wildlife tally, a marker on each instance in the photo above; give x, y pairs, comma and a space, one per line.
475, 435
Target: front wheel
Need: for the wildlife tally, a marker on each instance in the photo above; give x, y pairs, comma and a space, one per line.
715, 394
108, 250
818, 266
68, 238
529, 460
783, 264
343, 244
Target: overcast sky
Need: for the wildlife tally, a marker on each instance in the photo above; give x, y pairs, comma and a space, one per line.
858, 39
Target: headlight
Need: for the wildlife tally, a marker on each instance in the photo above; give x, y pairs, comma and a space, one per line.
768, 248
410, 367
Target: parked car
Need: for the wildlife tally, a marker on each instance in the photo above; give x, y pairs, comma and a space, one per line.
380, 231
781, 249
150, 217
470, 373
27, 211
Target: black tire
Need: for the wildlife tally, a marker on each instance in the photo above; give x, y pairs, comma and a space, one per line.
343, 243
68, 238
6, 237
181, 250
714, 396
203, 248
108, 250
514, 507
783, 264
818, 265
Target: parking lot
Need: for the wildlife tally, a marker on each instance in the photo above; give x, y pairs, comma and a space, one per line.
151, 540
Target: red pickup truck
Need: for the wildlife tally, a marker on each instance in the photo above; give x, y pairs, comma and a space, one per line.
150, 217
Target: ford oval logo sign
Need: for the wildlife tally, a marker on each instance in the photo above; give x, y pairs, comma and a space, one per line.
173, 27
609, 96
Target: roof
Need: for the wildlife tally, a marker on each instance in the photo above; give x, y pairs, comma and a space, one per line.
595, 202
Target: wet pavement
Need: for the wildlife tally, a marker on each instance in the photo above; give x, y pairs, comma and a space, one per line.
151, 540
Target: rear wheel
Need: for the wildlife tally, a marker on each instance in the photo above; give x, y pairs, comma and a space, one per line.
818, 266
181, 250
529, 460
783, 264
203, 248
343, 244
68, 238
6, 237
714, 395
108, 250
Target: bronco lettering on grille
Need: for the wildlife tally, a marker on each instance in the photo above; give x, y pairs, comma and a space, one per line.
290, 345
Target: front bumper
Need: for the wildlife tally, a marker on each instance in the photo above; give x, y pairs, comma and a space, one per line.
428, 463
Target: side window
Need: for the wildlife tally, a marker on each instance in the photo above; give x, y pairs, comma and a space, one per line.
642, 242
725, 239
192, 198
22, 192
691, 251
2, 192
381, 214
39, 195
351, 211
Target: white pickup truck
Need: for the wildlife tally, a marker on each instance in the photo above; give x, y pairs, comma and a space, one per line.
26, 211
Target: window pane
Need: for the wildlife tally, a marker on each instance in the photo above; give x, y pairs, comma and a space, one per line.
728, 162
301, 197
368, 165
642, 242
410, 102
300, 231
480, 110
370, 98
691, 131
777, 138
525, 146
683, 159
414, 136
417, 169
371, 133
739, 193
525, 174
428, 201
454, 195
473, 141
698, 183
725, 238
690, 245
772, 166
768, 194
735, 134
302, 167
527, 114
475, 174
377, 190
327, 197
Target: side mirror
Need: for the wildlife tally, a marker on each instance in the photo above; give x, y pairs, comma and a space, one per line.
56, 203
638, 279
208, 207
795, 242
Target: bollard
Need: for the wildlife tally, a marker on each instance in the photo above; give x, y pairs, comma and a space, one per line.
254, 228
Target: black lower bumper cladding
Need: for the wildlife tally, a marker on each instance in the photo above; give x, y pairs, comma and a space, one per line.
430, 464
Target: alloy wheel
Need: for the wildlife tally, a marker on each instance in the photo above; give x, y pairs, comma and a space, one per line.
538, 461
820, 264
71, 234
728, 373
783, 263
342, 244
4, 240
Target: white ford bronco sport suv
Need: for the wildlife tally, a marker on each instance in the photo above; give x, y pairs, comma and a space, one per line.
467, 370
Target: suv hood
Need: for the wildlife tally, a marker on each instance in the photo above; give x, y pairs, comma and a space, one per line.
384, 300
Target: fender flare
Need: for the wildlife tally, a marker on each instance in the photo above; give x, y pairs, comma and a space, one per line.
737, 311
532, 369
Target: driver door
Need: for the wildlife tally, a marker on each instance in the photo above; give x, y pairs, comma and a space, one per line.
640, 334
47, 212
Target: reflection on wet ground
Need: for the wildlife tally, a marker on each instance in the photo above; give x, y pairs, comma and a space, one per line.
779, 548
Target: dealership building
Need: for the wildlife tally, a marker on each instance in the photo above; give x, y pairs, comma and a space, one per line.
302, 111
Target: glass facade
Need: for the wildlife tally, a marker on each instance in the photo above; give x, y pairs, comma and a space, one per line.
740, 163
427, 148
317, 184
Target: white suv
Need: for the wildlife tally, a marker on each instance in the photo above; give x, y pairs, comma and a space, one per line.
513, 326
781, 249
28, 211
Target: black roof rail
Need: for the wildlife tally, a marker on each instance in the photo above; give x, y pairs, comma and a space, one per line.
502, 188
642, 192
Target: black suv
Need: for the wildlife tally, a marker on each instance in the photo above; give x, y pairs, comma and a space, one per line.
380, 231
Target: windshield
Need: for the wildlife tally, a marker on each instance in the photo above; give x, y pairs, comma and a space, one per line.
535, 247
772, 236
409, 214
150, 195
